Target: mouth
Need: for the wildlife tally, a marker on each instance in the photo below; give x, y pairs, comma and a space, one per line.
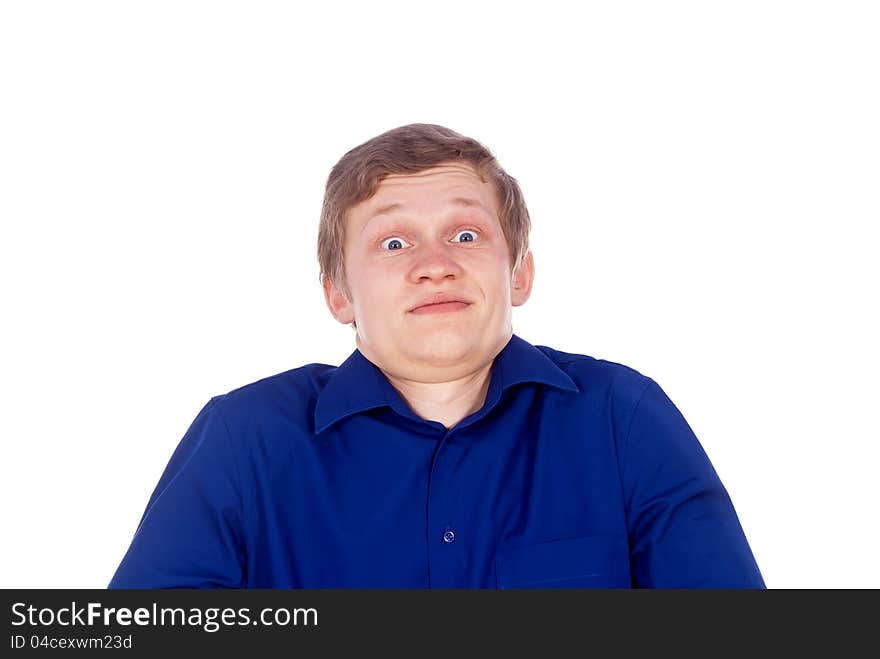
440, 307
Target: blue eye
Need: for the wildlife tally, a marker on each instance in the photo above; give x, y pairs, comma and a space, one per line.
467, 231
394, 241
395, 244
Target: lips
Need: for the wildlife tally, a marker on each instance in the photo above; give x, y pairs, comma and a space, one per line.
439, 308
439, 298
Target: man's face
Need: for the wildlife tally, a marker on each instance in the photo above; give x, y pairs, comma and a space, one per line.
442, 236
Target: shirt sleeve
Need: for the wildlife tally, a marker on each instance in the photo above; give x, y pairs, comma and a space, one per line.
684, 531
191, 533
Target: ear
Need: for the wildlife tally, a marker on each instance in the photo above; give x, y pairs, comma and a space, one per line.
522, 278
337, 302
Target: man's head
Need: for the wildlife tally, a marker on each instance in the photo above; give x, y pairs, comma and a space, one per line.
417, 212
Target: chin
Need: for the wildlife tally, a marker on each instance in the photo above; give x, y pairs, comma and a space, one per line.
447, 345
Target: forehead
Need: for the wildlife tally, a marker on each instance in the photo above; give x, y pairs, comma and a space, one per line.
453, 184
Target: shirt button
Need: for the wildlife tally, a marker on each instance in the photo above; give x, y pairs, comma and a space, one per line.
449, 536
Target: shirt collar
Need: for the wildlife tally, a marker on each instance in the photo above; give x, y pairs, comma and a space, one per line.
358, 385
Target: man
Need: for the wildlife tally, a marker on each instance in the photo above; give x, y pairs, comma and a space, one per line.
445, 452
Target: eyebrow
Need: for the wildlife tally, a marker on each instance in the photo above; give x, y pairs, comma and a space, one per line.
457, 201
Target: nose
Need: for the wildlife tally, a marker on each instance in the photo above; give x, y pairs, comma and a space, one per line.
435, 261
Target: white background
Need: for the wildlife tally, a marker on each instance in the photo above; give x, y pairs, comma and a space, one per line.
702, 179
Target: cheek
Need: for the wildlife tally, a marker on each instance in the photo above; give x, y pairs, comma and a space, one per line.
374, 292
382, 276
496, 275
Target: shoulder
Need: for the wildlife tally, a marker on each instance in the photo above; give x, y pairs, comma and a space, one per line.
594, 376
291, 393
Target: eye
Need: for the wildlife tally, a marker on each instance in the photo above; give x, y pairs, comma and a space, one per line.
395, 244
467, 239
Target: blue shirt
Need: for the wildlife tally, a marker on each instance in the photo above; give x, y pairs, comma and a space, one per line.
575, 473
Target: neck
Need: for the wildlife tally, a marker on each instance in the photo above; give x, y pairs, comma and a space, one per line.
446, 402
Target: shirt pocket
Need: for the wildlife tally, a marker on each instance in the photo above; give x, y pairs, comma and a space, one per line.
593, 561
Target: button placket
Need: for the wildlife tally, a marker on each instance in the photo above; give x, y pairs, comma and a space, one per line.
444, 541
